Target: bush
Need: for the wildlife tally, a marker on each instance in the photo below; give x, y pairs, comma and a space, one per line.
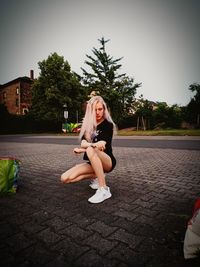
14, 124
127, 122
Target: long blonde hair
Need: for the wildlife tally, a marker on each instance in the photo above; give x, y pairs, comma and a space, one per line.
89, 124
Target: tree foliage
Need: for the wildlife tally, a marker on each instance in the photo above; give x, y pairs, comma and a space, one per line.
151, 115
193, 108
56, 85
166, 117
143, 111
118, 90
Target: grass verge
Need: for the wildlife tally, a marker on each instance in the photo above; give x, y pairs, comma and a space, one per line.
171, 132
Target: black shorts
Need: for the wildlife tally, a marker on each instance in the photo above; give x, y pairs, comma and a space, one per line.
114, 162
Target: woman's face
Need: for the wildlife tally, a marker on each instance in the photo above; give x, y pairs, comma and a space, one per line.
99, 111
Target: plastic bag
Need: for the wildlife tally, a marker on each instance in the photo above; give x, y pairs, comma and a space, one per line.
9, 175
192, 236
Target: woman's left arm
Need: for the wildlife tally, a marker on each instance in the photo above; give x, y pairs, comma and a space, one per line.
107, 134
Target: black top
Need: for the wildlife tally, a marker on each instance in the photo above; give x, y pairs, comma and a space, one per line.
104, 132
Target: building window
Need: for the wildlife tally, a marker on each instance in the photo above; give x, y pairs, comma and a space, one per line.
25, 111
4, 95
17, 102
17, 90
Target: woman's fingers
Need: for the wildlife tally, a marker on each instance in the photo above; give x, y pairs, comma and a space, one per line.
78, 150
75, 150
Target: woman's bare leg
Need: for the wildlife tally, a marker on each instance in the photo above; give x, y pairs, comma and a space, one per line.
100, 162
77, 173
81, 177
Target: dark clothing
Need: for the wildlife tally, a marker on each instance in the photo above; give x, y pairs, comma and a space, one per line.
104, 132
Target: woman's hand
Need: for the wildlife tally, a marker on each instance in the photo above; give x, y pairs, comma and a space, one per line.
101, 145
78, 150
85, 144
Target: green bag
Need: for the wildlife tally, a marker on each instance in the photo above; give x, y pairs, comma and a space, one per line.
9, 175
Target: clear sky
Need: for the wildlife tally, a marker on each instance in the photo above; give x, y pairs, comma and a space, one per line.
159, 40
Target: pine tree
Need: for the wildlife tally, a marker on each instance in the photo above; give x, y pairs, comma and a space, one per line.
104, 68
117, 89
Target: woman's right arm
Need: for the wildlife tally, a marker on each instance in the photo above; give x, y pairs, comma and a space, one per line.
85, 144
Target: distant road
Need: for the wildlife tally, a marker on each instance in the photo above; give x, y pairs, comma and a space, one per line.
173, 142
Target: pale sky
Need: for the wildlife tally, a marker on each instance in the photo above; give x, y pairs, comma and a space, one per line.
159, 40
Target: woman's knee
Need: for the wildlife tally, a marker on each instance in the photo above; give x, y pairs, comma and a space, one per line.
90, 151
65, 178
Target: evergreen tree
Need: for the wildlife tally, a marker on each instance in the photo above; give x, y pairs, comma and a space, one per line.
118, 90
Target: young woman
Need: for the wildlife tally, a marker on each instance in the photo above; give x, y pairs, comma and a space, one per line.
96, 144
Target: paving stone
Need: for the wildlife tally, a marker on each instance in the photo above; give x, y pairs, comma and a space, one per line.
130, 239
75, 232
60, 261
41, 216
49, 237
128, 257
6, 257
7, 230
102, 228
36, 255
81, 220
31, 227
126, 214
102, 245
19, 242
69, 249
91, 259
56, 224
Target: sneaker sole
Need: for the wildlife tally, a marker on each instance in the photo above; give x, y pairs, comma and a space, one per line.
109, 196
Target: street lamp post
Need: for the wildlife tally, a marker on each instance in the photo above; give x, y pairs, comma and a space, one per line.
65, 112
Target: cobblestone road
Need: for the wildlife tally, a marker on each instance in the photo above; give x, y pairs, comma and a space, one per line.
50, 224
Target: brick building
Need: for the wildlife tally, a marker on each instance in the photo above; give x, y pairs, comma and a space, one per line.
16, 94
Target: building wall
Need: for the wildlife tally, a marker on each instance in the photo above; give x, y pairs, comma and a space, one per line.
11, 98
16, 95
25, 97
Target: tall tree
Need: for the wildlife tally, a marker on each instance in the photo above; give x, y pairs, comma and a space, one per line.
193, 108
56, 86
117, 89
143, 111
166, 117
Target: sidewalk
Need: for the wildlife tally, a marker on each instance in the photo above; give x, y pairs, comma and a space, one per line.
50, 224
158, 137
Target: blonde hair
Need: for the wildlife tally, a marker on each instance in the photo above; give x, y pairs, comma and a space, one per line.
89, 124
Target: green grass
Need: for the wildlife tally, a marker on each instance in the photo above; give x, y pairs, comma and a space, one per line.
171, 132
131, 132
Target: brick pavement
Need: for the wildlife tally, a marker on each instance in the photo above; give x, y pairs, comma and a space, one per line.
50, 224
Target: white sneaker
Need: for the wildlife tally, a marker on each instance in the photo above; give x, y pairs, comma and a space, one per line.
94, 184
100, 195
